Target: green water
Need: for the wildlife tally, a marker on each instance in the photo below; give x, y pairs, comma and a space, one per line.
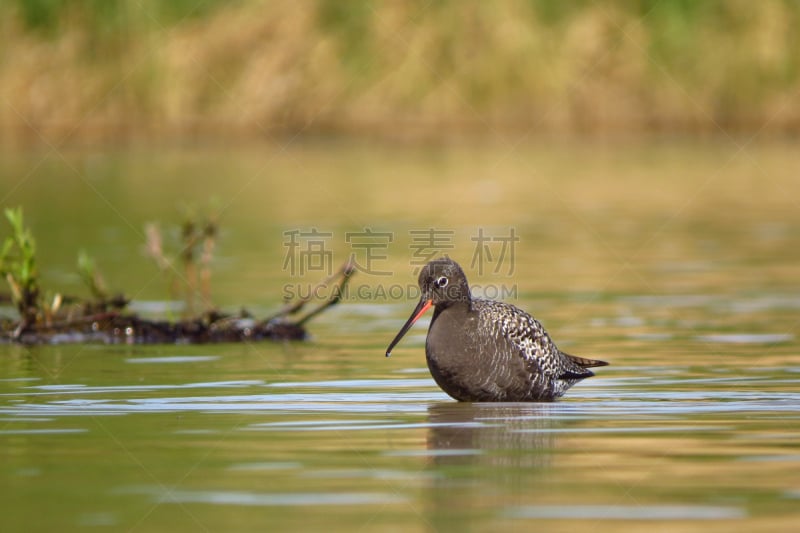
675, 261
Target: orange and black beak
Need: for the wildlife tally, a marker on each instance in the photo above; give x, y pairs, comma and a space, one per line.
422, 306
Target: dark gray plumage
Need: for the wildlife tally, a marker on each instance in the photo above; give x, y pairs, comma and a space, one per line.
486, 351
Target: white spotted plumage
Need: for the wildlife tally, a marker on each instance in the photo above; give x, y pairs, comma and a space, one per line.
552, 370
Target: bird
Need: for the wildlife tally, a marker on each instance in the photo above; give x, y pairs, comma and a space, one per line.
481, 350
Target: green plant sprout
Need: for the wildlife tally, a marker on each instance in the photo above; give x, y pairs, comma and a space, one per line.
198, 235
18, 267
87, 270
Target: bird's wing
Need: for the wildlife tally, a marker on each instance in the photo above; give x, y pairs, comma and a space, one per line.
527, 336
534, 345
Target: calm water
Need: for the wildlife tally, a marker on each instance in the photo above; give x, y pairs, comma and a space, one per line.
677, 262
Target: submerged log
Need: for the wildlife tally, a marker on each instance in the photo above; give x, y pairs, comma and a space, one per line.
119, 327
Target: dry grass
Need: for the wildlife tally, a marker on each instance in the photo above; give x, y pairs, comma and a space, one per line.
408, 68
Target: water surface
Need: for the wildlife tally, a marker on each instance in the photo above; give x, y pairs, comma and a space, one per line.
676, 262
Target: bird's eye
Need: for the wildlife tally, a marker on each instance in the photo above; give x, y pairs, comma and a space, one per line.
441, 282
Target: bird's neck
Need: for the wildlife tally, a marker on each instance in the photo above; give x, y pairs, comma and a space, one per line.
452, 308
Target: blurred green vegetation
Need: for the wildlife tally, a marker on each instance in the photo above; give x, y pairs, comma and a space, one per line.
109, 68
103, 17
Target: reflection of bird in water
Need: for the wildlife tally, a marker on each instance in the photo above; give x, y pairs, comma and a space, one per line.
486, 351
490, 434
486, 456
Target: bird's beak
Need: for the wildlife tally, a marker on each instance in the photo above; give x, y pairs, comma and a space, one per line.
422, 306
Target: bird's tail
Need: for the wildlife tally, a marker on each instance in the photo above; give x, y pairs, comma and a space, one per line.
584, 362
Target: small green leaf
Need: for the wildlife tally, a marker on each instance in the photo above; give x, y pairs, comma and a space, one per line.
9, 242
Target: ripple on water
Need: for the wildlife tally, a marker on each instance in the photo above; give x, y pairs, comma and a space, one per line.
311, 402
746, 338
627, 429
97, 519
433, 452
354, 425
267, 499
370, 473
78, 388
50, 431
266, 466
172, 359
372, 384
623, 512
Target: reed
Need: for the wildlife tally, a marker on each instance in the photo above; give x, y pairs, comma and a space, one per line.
87, 69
